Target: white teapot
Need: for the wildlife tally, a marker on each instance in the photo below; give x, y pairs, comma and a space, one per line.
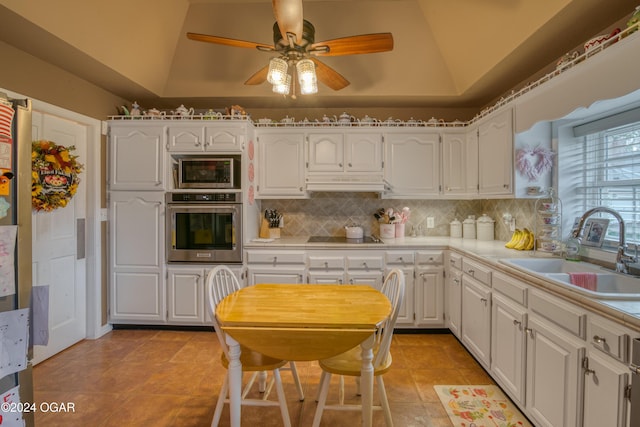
345, 119
183, 111
154, 112
288, 120
366, 120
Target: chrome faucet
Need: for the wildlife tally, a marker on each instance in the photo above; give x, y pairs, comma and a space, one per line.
622, 258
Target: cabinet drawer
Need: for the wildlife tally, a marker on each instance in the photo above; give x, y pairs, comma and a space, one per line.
477, 271
559, 312
430, 257
510, 287
326, 263
403, 259
363, 262
275, 258
609, 339
455, 260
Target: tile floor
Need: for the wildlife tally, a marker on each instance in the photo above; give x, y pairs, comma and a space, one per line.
172, 378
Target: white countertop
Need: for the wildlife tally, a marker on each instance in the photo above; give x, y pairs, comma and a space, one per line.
626, 312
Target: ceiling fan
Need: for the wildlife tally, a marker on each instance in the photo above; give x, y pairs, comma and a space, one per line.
294, 41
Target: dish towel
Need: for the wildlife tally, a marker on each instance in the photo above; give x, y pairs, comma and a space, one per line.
587, 281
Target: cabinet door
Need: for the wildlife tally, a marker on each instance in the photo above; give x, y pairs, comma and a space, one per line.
136, 158
281, 165
495, 154
412, 164
371, 278
326, 278
454, 170
137, 288
326, 152
225, 139
554, 375
429, 297
454, 301
508, 345
363, 152
406, 315
185, 296
471, 162
476, 319
187, 137
604, 388
275, 275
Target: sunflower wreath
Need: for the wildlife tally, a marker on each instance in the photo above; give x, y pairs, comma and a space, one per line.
54, 175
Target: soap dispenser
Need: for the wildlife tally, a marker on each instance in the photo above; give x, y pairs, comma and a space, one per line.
572, 249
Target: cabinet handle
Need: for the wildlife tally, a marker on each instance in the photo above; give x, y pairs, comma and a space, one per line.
350, 165
506, 185
452, 262
530, 332
365, 265
599, 340
340, 164
484, 300
517, 323
351, 281
340, 281
430, 259
401, 260
197, 144
470, 271
456, 281
326, 264
301, 189
585, 366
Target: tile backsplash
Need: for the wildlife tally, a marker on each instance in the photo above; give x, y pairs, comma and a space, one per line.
326, 214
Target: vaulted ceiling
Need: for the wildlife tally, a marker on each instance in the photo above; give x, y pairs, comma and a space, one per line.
447, 53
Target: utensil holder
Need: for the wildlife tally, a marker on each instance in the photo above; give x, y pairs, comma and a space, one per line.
399, 230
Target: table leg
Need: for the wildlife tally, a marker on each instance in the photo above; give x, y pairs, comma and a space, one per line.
235, 381
366, 380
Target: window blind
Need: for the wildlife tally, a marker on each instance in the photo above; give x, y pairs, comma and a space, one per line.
605, 167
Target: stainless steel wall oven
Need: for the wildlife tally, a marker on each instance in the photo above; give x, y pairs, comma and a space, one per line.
204, 227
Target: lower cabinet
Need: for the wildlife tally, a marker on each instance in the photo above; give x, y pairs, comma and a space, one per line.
476, 319
453, 293
273, 266
429, 296
508, 345
605, 387
554, 375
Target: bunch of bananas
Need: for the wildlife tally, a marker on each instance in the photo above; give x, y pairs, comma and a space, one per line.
522, 240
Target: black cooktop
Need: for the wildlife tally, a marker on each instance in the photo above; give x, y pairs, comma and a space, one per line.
341, 239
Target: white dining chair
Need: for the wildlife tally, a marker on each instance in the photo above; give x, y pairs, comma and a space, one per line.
220, 282
350, 362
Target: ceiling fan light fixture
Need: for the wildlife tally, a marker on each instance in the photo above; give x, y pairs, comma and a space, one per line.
283, 88
309, 87
278, 71
306, 71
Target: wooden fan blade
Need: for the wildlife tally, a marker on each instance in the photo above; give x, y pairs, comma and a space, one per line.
288, 14
329, 76
228, 42
259, 77
354, 45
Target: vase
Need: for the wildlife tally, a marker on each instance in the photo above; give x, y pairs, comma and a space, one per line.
399, 230
387, 231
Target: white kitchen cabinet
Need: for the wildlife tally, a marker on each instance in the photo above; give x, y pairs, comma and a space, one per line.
326, 269
605, 387
186, 295
454, 167
365, 269
508, 345
554, 374
136, 156
325, 152
453, 296
495, 154
136, 254
412, 165
275, 266
196, 137
405, 262
476, 319
281, 165
429, 296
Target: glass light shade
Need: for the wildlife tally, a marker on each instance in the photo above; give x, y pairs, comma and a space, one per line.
278, 68
306, 71
284, 87
309, 87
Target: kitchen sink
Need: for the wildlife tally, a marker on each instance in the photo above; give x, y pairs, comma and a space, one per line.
609, 285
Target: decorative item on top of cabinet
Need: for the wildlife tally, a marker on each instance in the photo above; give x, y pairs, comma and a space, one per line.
548, 224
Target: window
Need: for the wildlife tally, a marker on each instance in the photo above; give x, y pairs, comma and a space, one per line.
603, 168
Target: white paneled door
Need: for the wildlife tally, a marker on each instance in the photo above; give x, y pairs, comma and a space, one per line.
59, 246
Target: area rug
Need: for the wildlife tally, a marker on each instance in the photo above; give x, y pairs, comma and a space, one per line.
479, 406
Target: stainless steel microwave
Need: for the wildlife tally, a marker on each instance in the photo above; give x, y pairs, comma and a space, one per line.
209, 172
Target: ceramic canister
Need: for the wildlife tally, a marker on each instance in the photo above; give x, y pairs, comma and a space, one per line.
485, 226
469, 228
455, 228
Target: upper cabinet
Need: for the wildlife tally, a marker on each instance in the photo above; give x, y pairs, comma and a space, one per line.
280, 165
412, 164
344, 161
495, 155
136, 156
211, 137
